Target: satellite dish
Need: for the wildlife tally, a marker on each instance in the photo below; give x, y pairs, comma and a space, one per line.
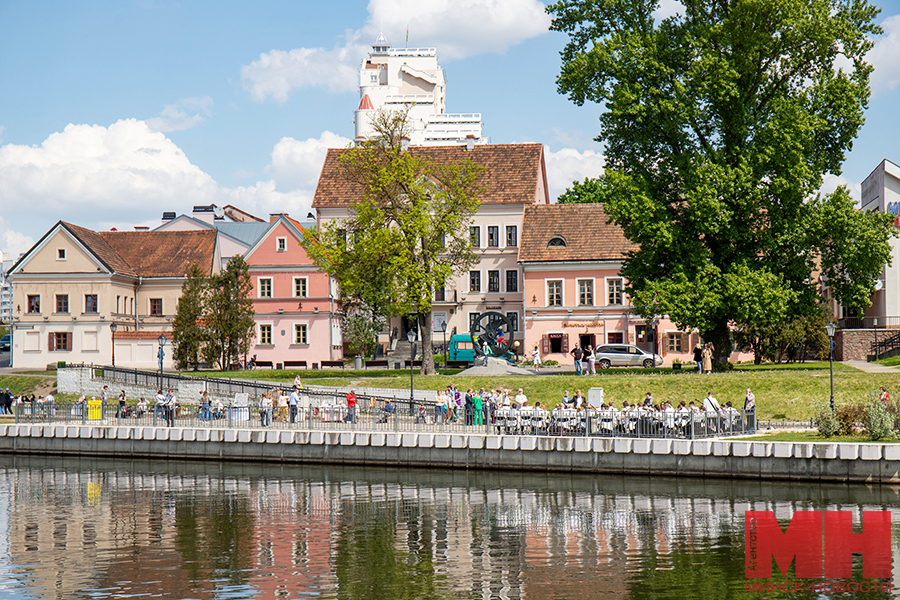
219, 212
879, 285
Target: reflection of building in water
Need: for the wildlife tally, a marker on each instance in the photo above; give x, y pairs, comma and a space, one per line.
159, 534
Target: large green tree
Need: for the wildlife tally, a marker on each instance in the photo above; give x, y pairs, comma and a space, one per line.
229, 314
719, 125
408, 231
188, 335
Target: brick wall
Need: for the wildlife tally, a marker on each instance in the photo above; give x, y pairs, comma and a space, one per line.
854, 344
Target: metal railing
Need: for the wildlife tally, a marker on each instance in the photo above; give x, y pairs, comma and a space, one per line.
869, 323
328, 412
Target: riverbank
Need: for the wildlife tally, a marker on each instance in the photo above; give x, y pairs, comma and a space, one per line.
729, 459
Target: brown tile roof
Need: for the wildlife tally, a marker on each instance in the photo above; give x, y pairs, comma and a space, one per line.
512, 173
150, 253
584, 228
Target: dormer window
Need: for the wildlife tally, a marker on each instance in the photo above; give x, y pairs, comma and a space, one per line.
557, 241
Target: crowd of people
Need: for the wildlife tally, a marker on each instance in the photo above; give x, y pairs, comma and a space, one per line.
42, 404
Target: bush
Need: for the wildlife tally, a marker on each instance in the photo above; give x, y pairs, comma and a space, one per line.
879, 423
850, 417
826, 421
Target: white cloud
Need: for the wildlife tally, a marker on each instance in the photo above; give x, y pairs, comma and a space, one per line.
184, 114
296, 164
457, 28
885, 56
12, 242
569, 165
243, 174
668, 8
2, 129
832, 182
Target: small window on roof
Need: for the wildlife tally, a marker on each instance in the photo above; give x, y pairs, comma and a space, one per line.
557, 241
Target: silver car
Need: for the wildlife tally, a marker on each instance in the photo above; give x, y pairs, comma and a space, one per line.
625, 355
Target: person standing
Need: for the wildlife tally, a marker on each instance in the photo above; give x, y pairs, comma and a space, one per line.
204, 406
707, 358
120, 410
592, 360
478, 402
169, 409
750, 411
578, 354
293, 403
536, 358
698, 357
103, 394
470, 407
351, 406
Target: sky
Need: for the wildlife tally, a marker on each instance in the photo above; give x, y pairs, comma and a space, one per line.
112, 112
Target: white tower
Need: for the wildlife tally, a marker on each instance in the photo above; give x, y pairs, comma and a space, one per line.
394, 78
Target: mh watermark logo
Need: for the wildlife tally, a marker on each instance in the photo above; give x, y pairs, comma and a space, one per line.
821, 542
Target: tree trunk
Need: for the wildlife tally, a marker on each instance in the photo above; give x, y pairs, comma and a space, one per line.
720, 336
427, 349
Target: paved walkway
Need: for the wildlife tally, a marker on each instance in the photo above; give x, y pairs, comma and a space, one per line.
868, 367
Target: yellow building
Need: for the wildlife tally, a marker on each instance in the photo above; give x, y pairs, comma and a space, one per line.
74, 283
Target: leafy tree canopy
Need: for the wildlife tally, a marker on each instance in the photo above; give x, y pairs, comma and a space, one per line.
719, 125
408, 231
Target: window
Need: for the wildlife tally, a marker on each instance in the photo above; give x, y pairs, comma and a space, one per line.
554, 293
514, 320
265, 335
557, 241
512, 281
615, 337
60, 341
475, 236
265, 287
62, 303
473, 318
493, 236
60, 254
300, 333
474, 281
90, 303
156, 307
280, 244
440, 295
673, 342
614, 291
585, 292
512, 235
34, 304
300, 287
493, 281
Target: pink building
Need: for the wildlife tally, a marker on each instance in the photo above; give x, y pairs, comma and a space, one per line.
573, 290
297, 322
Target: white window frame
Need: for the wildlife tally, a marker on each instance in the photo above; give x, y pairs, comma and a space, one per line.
518, 289
671, 335
259, 287
305, 286
60, 254
499, 289
469, 317
593, 291
305, 327
487, 235
505, 225
281, 244
607, 281
480, 281
562, 292
518, 319
480, 238
259, 335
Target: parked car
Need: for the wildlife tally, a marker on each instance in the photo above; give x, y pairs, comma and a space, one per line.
625, 355
5, 342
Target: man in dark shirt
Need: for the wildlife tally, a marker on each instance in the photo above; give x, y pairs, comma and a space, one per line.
578, 353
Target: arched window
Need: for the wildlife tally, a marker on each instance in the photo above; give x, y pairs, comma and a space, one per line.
557, 241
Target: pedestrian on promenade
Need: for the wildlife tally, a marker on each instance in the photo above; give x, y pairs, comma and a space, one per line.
750, 411
578, 354
592, 360
204, 406
120, 410
293, 403
536, 358
351, 406
698, 357
707, 357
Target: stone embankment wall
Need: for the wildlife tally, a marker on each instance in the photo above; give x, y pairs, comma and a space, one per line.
855, 344
842, 462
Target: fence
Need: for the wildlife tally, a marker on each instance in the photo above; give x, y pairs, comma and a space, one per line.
322, 411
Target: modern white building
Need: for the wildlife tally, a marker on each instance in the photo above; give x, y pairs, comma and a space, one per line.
881, 192
397, 78
6, 291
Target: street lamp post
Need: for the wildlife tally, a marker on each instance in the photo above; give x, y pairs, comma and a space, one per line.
446, 355
160, 355
829, 329
112, 328
411, 336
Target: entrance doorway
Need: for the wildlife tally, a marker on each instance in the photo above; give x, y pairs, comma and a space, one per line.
585, 340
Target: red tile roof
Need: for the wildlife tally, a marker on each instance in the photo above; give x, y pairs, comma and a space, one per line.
513, 173
150, 253
584, 228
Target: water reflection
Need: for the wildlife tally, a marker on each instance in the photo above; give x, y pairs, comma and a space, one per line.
110, 529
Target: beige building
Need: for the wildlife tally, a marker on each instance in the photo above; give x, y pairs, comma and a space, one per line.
74, 283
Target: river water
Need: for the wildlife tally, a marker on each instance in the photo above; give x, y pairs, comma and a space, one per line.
96, 529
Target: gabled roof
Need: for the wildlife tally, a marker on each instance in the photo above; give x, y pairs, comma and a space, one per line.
142, 253
293, 226
513, 173
583, 227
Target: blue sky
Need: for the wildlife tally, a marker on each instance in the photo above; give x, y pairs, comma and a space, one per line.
113, 112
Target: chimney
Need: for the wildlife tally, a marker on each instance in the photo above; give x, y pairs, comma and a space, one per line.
141, 228
470, 142
168, 216
404, 143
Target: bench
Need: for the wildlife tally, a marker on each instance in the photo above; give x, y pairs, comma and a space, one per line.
334, 364
377, 363
295, 364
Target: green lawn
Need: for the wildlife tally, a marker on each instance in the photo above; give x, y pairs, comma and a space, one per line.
782, 391
812, 436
